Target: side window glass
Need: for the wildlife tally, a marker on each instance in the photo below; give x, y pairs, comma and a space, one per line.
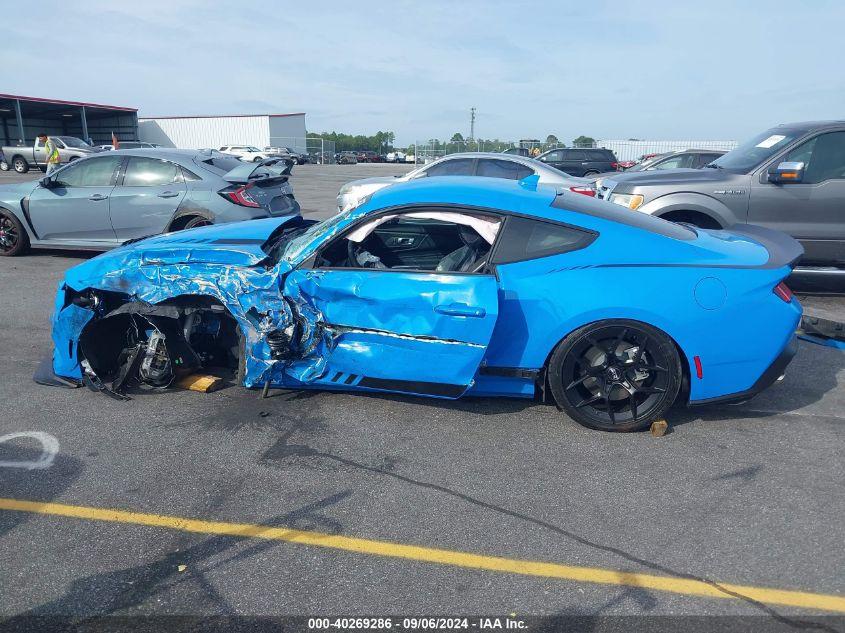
493, 168
525, 239
456, 167
552, 157
93, 172
151, 172
673, 163
823, 157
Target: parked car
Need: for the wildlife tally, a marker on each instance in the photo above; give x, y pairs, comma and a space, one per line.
580, 162
247, 153
346, 158
129, 145
22, 158
489, 164
395, 157
790, 178
369, 156
682, 159
495, 280
100, 202
300, 158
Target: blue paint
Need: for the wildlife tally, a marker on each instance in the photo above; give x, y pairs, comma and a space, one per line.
439, 328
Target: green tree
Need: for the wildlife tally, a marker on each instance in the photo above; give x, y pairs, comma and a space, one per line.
551, 139
457, 137
584, 141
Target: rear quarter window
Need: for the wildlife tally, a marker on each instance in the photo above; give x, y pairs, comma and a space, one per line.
527, 238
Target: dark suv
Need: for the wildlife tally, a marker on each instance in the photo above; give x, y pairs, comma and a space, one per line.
580, 161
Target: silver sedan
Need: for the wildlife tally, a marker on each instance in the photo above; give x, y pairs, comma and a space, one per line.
483, 164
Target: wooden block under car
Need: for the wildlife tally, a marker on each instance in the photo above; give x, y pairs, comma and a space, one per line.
203, 383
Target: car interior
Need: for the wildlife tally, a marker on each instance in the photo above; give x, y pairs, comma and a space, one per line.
428, 240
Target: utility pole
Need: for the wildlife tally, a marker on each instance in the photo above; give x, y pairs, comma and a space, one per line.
471, 124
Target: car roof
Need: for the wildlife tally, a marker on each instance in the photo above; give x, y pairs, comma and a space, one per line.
509, 196
806, 126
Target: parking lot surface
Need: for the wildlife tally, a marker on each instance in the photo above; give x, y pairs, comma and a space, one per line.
747, 495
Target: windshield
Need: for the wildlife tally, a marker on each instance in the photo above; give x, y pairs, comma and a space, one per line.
291, 250
252, 149
70, 141
760, 148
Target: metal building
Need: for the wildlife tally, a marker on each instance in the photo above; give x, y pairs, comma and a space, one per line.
202, 132
23, 118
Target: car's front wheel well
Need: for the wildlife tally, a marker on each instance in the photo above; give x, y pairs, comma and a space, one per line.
696, 218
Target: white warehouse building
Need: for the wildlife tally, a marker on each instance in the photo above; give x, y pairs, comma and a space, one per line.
203, 132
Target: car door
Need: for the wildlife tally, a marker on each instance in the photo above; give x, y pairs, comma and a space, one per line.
812, 211
410, 331
75, 207
553, 158
146, 197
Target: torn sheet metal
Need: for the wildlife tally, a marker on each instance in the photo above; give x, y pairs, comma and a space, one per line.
223, 263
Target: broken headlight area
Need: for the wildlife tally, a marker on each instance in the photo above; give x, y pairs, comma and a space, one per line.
151, 346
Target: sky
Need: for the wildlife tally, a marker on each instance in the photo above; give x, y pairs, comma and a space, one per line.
654, 69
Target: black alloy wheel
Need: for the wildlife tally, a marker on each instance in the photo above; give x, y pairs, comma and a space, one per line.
13, 238
615, 375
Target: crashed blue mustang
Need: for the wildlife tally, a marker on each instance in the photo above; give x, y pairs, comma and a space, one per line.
444, 287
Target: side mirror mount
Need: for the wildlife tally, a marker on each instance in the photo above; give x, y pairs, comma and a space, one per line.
47, 182
787, 171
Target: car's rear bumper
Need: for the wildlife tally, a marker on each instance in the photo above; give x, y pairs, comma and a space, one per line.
774, 372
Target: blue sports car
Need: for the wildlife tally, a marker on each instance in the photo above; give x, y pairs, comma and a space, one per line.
444, 287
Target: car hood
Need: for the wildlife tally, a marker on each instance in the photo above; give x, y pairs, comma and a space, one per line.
16, 191
669, 176
382, 181
233, 244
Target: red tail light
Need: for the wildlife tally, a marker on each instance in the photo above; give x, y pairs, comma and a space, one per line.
614, 165
783, 291
241, 197
586, 191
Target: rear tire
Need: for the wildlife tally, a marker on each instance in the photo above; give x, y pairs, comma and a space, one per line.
615, 375
257, 159
20, 165
4, 166
592, 172
13, 237
196, 221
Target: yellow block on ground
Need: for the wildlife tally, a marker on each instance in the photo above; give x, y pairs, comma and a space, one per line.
200, 382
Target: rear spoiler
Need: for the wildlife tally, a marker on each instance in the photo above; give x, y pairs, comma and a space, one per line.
268, 169
783, 249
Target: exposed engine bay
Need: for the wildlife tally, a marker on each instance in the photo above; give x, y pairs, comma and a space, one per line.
137, 344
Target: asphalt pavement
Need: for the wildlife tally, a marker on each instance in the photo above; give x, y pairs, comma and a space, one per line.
748, 495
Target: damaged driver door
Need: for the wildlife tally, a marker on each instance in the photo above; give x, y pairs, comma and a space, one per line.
415, 332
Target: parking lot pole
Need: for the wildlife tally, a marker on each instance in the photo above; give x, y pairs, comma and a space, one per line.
20, 120
84, 124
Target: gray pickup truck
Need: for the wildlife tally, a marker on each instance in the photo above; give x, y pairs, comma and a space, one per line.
790, 178
23, 158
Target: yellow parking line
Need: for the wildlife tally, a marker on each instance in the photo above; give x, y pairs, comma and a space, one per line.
670, 584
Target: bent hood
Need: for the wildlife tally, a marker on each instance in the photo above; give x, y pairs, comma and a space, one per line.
233, 244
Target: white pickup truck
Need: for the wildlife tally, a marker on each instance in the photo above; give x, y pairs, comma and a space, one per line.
22, 158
